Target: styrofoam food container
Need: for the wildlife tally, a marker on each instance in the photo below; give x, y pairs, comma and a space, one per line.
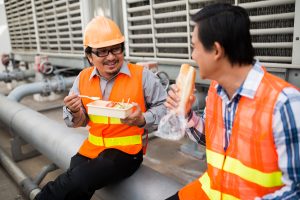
99, 108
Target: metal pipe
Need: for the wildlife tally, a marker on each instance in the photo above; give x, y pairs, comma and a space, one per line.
16, 75
273, 45
169, 4
138, 9
60, 145
36, 129
169, 14
272, 31
265, 3
170, 25
48, 168
28, 186
139, 27
56, 84
279, 16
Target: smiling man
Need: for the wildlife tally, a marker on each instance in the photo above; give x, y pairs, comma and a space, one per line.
251, 123
113, 149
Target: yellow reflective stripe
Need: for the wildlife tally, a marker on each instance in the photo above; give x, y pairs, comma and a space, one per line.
114, 120
211, 193
104, 120
98, 141
214, 159
116, 141
123, 141
205, 182
235, 166
98, 119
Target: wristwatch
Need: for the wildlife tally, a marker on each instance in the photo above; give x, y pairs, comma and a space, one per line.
68, 109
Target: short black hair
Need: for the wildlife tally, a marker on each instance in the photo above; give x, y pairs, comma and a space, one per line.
228, 25
88, 52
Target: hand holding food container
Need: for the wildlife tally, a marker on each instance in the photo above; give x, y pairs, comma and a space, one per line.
179, 101
128, 113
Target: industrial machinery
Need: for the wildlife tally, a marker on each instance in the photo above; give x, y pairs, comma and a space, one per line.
155, 30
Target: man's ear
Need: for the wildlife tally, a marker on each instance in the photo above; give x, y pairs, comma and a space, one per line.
90, 59
219, 50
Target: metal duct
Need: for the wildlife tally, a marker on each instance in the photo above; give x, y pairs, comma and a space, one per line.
59, 143
56, 84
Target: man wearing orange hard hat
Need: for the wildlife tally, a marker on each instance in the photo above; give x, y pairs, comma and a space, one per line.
113, 149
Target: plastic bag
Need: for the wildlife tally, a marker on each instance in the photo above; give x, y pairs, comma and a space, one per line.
172, 126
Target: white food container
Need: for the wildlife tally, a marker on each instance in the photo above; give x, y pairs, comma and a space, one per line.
99, 108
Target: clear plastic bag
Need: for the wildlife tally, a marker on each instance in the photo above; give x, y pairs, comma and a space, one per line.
172, 126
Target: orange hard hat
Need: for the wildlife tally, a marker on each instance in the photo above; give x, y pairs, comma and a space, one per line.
102, 32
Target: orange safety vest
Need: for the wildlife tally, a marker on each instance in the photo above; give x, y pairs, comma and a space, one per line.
107, 132
249, 166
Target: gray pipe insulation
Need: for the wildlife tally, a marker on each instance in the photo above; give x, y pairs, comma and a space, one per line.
56, 84
16, 75
59, 143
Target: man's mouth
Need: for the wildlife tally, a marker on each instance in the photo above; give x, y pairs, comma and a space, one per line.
111, 63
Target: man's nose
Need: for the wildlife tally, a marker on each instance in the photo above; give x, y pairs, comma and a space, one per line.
110, 55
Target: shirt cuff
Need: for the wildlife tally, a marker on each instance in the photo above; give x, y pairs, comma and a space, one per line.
193, 120
149, 119
67, 116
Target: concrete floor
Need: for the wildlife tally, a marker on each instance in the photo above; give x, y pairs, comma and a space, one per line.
162, 155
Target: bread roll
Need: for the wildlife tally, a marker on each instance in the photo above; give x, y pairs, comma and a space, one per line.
185, 83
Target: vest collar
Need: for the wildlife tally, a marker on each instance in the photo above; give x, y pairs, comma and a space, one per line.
124, 70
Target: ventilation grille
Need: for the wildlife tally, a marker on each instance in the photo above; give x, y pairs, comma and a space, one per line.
162, 28
20, 25
58, 22
59, 26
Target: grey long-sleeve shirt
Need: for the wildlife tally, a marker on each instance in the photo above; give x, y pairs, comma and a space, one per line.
154, 95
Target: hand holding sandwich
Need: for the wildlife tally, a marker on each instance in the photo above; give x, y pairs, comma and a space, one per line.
173, 100
181, 95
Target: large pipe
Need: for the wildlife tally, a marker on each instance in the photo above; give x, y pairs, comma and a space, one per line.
16, 75
56, 84
27, 185
59, 143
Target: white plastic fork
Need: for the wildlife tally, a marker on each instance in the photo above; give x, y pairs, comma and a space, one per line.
92, 98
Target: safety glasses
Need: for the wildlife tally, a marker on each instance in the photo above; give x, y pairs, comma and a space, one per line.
105, 51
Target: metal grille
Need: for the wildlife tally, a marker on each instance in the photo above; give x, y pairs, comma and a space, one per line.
21, 25
161, 29
272, 27
59, 26
45, 26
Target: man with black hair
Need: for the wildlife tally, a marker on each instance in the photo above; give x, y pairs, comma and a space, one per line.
251, 121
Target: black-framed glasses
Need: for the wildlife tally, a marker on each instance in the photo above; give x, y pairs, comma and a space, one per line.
104, 51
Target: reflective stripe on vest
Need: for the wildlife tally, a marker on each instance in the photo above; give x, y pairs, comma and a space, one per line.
104, 120
116, 141
235, 166
211, 193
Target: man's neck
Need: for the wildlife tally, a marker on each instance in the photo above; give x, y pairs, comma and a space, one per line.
233, 77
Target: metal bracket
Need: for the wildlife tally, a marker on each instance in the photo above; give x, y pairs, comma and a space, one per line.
17, 152
61, 84
46, 88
